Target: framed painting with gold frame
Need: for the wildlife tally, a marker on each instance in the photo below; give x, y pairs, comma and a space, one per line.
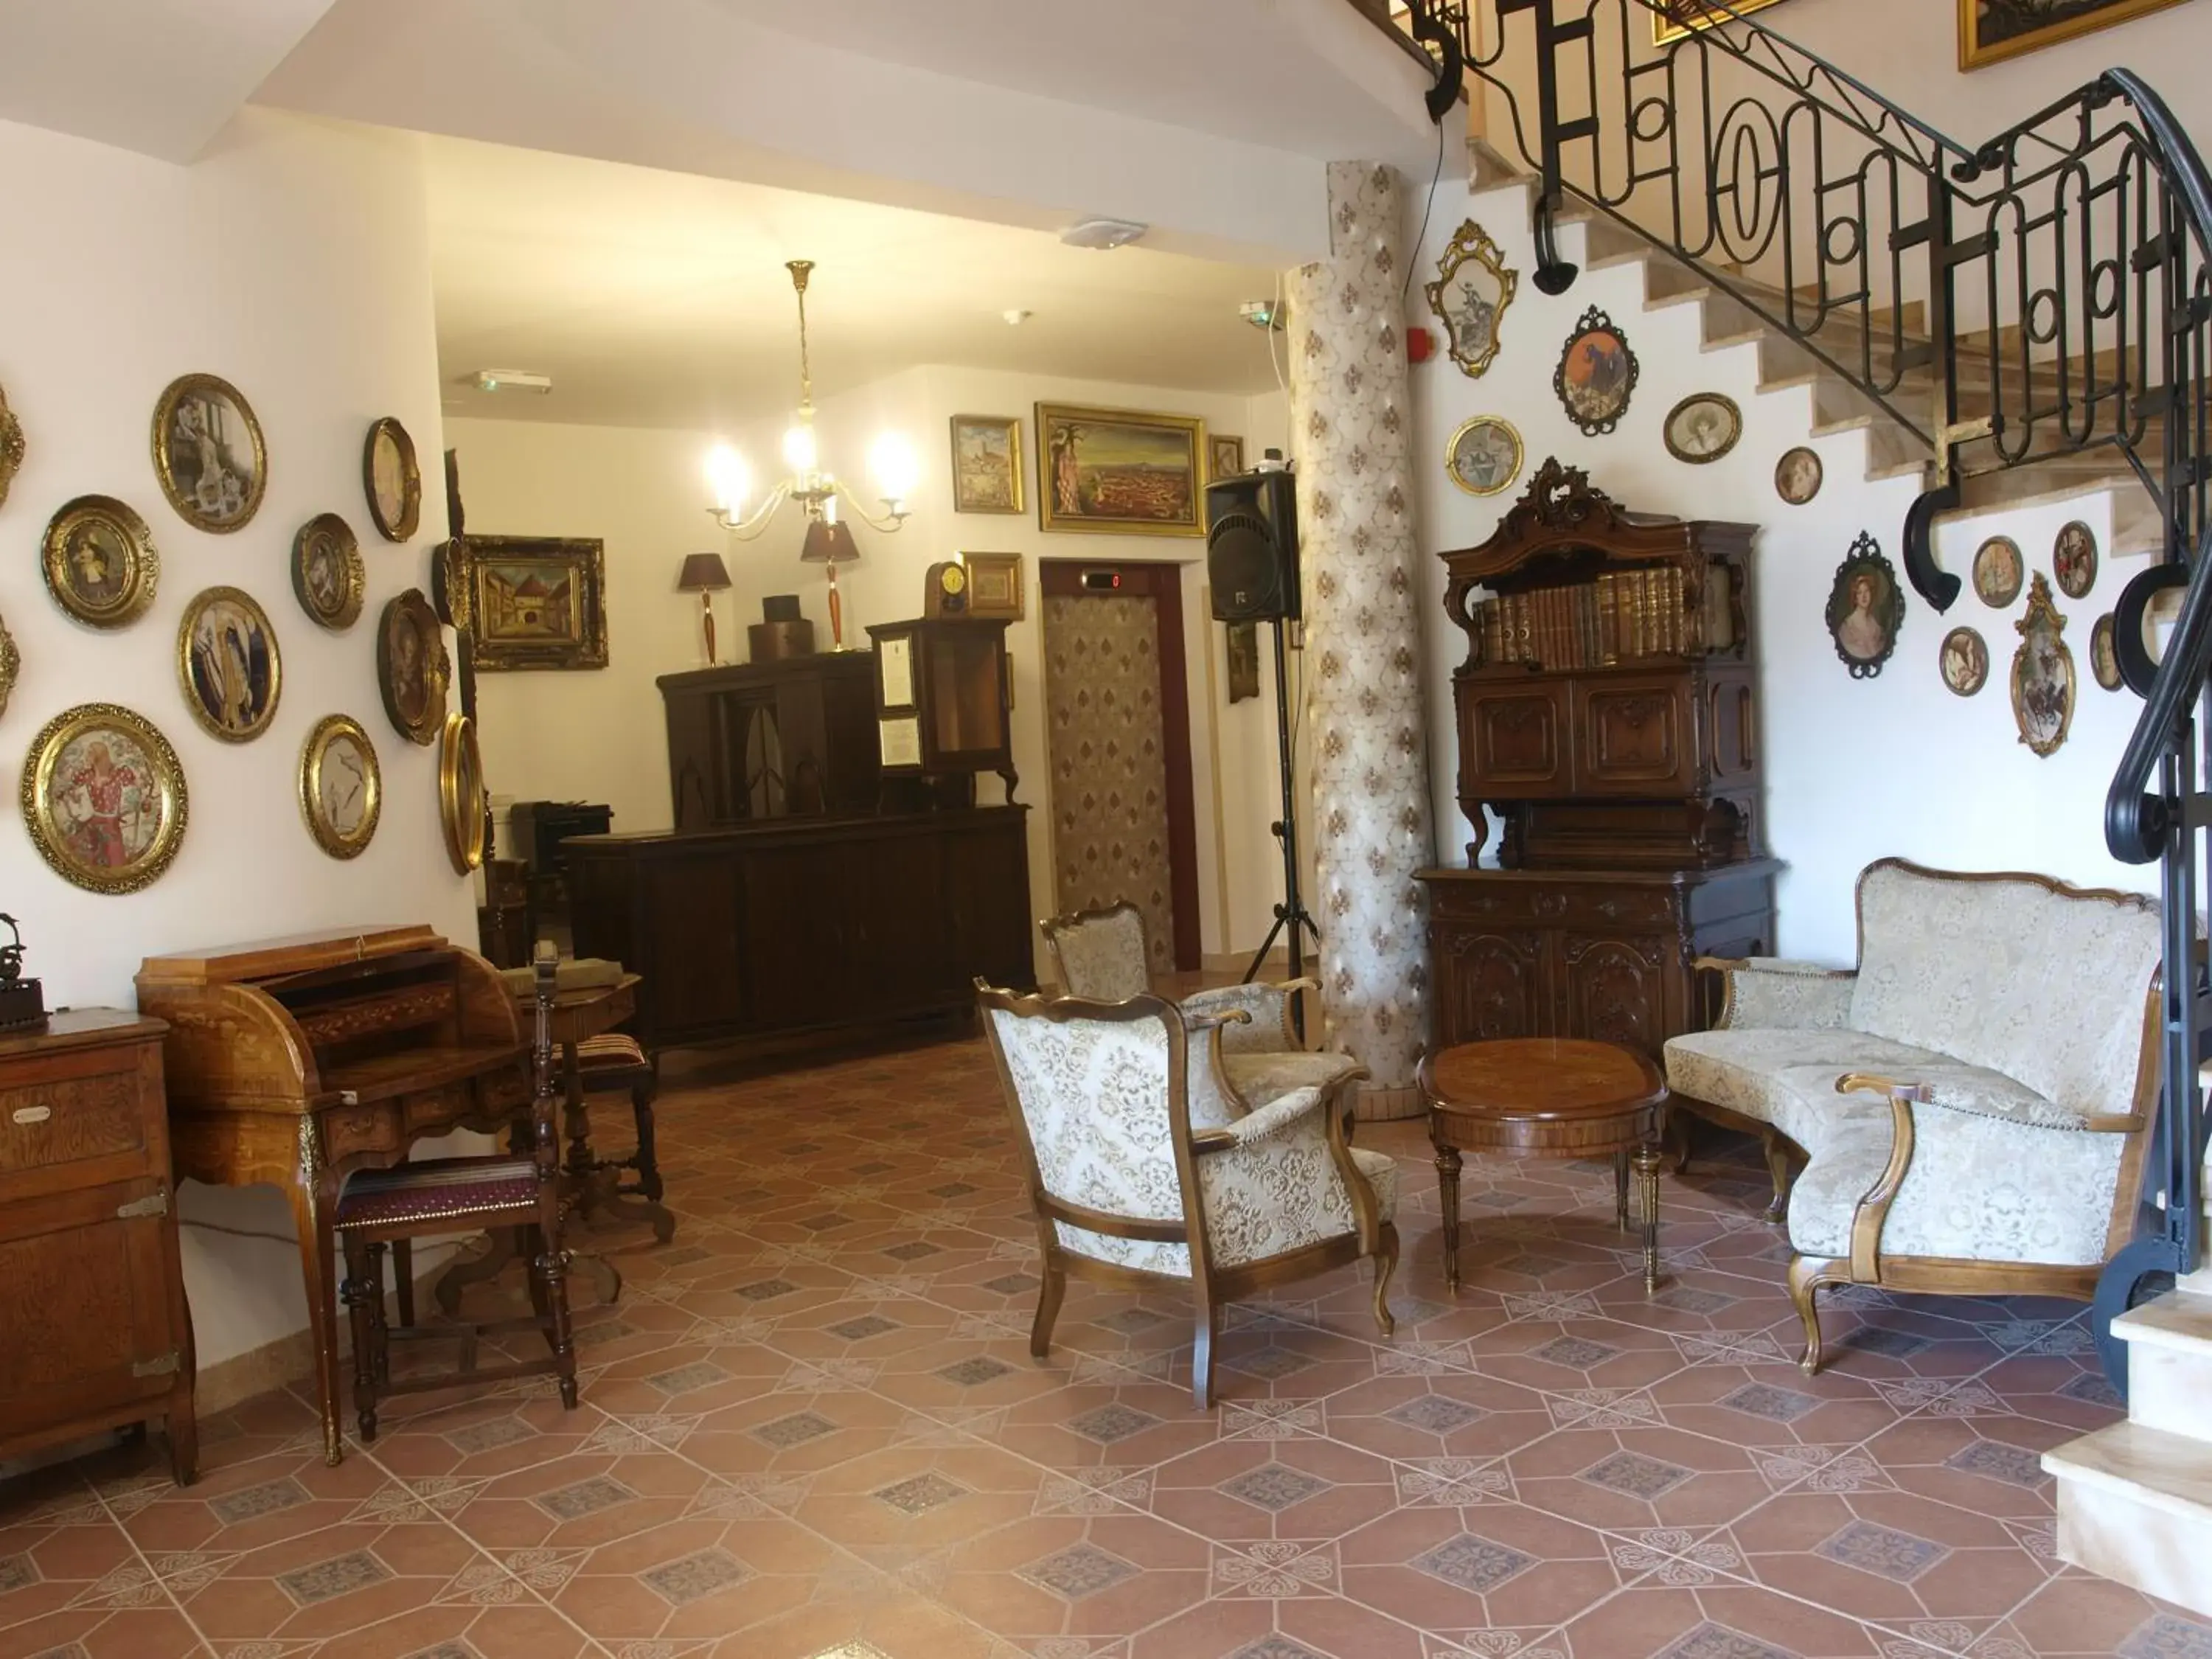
328, 577
104, 798
1125, 471
536, 602
995, 584
100, 562
461, 799
11, 665
2043, 681
11, 447
1684, 17
1473, 289
228, 666
1225, 457
413, 669
1990, 31
987, 464
392, 479
208, 453
341, 786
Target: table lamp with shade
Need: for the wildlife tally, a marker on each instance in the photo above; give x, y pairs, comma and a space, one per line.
829, 543
704, 574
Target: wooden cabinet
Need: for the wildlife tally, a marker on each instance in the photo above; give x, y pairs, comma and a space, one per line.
942, 700
94, 1330
797, 932
792, 737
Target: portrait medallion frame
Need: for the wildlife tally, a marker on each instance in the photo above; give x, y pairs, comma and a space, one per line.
329, 531
1999, 571
11, 447
189, 508
2044, 622
53, 839
461, 796
314, 757
1887, 608
1452, 455
1008, 426
143, 563
410, 613
195, 697
1732, 417
393, 527
2075, 571
1964, 685
1596, 422
1471, 244
2104, 652
1791, 459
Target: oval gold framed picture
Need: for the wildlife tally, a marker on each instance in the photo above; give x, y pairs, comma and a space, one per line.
1484, 456
1797, 475
328, 577
1965, 661
392, 480
11, 665
1999, 570
208, 453
104, 798
341, 786
228, 665
1703, 428
412, 668
100, 562
461, 799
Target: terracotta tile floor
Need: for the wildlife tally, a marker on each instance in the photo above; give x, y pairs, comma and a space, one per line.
811, 1430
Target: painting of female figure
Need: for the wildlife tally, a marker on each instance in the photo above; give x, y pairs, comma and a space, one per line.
227, 659
1865, 608
104, 798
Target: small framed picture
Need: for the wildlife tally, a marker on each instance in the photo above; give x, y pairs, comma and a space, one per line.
1473, 289
392, 479
11, 447
104, 798
1797, 475
341, 787
2074, 560
1965, 661
1484, 456
1999, 570
1703, 428
1244, 660
995, 584
227, 664
2104, 654
413, 669
100, 562
1596, 375
1225, 457
986, 463
1866, 609
2042, 674
536, 602
328, 578
208, 453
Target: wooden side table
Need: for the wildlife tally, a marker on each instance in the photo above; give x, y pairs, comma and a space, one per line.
1547, 1097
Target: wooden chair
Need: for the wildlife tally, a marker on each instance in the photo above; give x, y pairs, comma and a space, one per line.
1143, 1174
614, 1062
445, 1195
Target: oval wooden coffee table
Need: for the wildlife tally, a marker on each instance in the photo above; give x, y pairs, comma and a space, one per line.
1547, 1097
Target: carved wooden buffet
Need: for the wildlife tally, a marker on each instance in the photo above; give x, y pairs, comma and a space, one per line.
1607, 717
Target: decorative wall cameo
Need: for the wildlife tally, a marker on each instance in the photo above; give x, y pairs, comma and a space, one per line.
2104, 655
11, 447
11, 665
228, 665
1596, 375
1703, 428
104, 798
100, 562
412, 668
208, 453
327, 575
2074, 560
2042, 673
1999, 570
1797, 475
1470, 294
1866, 608
341, 786
392, 479
1484, 456
1965, 661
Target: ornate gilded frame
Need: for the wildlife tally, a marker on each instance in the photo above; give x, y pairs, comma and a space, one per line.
1973, 55
142, 577
11, 447
1012, 426
315, 755
11, 665
1727, 406
1472, 245
584, 560
461, 799
2042, 617
165, 409
995, 584
410, 480
330, 530
47, 836
1189, 428
1865, 559
1665, 30
1452, 455
412, 610
186, 625
1595, 321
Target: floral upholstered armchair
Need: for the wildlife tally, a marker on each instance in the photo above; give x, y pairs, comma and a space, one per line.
1143, 1173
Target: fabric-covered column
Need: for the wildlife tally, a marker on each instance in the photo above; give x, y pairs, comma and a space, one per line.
1351, 434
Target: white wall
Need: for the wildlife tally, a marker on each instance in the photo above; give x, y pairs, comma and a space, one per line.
293, 261
601, 736
1855, 769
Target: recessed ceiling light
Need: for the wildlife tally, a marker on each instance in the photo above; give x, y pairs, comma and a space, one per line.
512, 380
1102, 232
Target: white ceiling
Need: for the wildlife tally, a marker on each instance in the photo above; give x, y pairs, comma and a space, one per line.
659, 299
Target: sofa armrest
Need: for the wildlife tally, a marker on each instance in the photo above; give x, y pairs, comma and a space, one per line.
1267, 1007
1768, 991
1272, 1119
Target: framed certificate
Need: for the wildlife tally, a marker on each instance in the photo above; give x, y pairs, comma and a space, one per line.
895, 671
900, 738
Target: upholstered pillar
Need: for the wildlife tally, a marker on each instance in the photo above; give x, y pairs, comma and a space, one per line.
1350, 431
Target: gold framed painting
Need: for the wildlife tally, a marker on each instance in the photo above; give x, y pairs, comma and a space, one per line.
1683, 17
227, 664
986, 463
536, 602
341, 786
1123, 471
100, 562
104, 798
461, 799
995, 584
1474, 286
1990, 31
2042, 674
11, 447
392, 479
328, 578
208, 453
413, 669
11, 665
1225, 457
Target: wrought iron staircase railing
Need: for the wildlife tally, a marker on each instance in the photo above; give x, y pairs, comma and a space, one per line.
2041, 300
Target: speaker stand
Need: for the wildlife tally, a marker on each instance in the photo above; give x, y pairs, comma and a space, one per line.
1292, 913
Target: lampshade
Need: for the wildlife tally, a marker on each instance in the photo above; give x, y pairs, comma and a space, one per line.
829, 544
703, 572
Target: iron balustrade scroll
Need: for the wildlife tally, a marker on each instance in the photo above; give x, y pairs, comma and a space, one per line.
2043, 299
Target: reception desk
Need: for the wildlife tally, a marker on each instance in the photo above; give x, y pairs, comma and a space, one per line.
803, 930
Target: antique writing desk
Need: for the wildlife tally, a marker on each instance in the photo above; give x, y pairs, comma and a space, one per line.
294, 1061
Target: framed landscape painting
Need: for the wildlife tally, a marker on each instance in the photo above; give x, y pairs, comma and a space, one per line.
1990, 31
537, 602
1121, 470
987, 464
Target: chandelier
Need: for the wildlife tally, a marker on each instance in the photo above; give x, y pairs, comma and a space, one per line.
891, 465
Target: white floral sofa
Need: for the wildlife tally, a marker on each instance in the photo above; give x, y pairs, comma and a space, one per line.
1973, 1104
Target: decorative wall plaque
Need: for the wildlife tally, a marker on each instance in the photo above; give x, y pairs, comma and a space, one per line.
1470, 294
1866, 609
2042, 673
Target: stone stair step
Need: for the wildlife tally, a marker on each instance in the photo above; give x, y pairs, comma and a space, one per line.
2134, 1504
2170, 1364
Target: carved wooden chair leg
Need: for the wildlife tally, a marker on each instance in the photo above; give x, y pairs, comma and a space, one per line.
1808, 1276
1620, 1189
648, 1163
1386, 1263
1777, 1169
403, 1278
1201, 1353
551, 1264
362, 1291
1049, 1297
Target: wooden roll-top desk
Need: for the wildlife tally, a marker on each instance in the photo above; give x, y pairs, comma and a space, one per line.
292, 1062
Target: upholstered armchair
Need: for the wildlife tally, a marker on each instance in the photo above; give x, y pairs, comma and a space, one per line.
1145, 1172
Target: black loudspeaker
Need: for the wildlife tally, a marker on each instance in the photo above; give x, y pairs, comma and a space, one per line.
1252, 547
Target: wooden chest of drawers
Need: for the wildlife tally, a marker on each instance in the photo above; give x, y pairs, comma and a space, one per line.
94, 1331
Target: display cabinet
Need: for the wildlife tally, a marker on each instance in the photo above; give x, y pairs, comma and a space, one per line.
943, 697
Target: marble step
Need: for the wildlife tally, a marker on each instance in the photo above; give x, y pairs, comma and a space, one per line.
2134, 1505
2170, 1366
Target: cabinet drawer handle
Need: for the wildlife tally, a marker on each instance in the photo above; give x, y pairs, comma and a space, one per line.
30, 1114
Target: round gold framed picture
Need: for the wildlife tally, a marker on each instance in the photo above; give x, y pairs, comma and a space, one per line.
104, 798
392, 479
461, 799
11, 447
228, 665
208, 453
1484, 456
341, 786
100, 562
412, 668
328, 578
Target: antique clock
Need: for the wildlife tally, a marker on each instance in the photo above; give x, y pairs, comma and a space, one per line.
941, 701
